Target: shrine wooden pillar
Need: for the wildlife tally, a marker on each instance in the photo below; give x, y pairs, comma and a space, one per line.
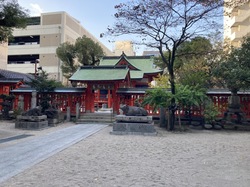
69, 102
89, 99
109, 99
116, 100
27, 101
131, 102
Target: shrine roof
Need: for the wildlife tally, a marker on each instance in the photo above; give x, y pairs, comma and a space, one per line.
13, 76
100, 73
4, 80
142, 63
136, 74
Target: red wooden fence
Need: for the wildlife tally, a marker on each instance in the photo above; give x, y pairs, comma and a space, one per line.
69, 99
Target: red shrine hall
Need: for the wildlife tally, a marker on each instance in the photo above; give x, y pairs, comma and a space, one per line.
110, 83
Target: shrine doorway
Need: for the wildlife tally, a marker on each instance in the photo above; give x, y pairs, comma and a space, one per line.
101, 97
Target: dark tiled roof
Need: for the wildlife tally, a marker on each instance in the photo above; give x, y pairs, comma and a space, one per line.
11, 75
4, 80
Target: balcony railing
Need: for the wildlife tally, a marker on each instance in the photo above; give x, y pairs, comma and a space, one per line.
237, 35
237, 20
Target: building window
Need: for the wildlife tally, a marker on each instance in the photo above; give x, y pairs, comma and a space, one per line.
25, 40
22, 59
34, 21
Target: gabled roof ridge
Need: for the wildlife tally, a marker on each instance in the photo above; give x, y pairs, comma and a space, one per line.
123, 56
105, 67
128, 57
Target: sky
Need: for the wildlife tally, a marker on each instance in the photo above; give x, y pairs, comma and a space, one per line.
94, 15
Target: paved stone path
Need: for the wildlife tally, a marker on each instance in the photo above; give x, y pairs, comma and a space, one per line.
18, 157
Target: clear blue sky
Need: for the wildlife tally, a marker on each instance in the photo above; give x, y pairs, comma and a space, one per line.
94, 15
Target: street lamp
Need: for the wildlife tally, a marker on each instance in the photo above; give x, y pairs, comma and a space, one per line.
37, 61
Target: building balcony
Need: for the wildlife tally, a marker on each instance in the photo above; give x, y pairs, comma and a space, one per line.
30, 49
23, 49
238, 35
238, 20
24, 68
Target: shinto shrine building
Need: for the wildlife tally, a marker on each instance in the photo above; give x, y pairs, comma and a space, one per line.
105, 83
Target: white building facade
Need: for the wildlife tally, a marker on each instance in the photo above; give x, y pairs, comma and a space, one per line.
237, 22
35, 46
3, 55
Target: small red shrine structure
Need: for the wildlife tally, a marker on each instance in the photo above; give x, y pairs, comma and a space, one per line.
104, 81
10, 80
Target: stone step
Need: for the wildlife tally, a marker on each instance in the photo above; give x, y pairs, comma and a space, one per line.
96, 117
97, 114
84, 121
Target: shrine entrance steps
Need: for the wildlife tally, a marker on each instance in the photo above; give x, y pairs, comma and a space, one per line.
97, 117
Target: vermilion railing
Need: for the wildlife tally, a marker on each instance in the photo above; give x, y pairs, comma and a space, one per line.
219, 100
61, 100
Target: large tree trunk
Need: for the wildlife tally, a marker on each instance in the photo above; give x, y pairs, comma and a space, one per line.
172, 107
172, 120
163, 117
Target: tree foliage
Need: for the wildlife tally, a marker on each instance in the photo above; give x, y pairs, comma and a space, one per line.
12, 15
84, 52
194, 62
233, 71
42, 83
88, 52
66, 52
186, 96
43, 86
197, 48
157, 98
160, 81
196, 72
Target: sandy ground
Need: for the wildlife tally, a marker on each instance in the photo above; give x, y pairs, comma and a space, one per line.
196, 158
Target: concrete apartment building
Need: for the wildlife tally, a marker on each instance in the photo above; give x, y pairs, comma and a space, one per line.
35, 46
237, 23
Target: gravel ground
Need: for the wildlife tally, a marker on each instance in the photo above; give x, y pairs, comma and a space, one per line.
199, 158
